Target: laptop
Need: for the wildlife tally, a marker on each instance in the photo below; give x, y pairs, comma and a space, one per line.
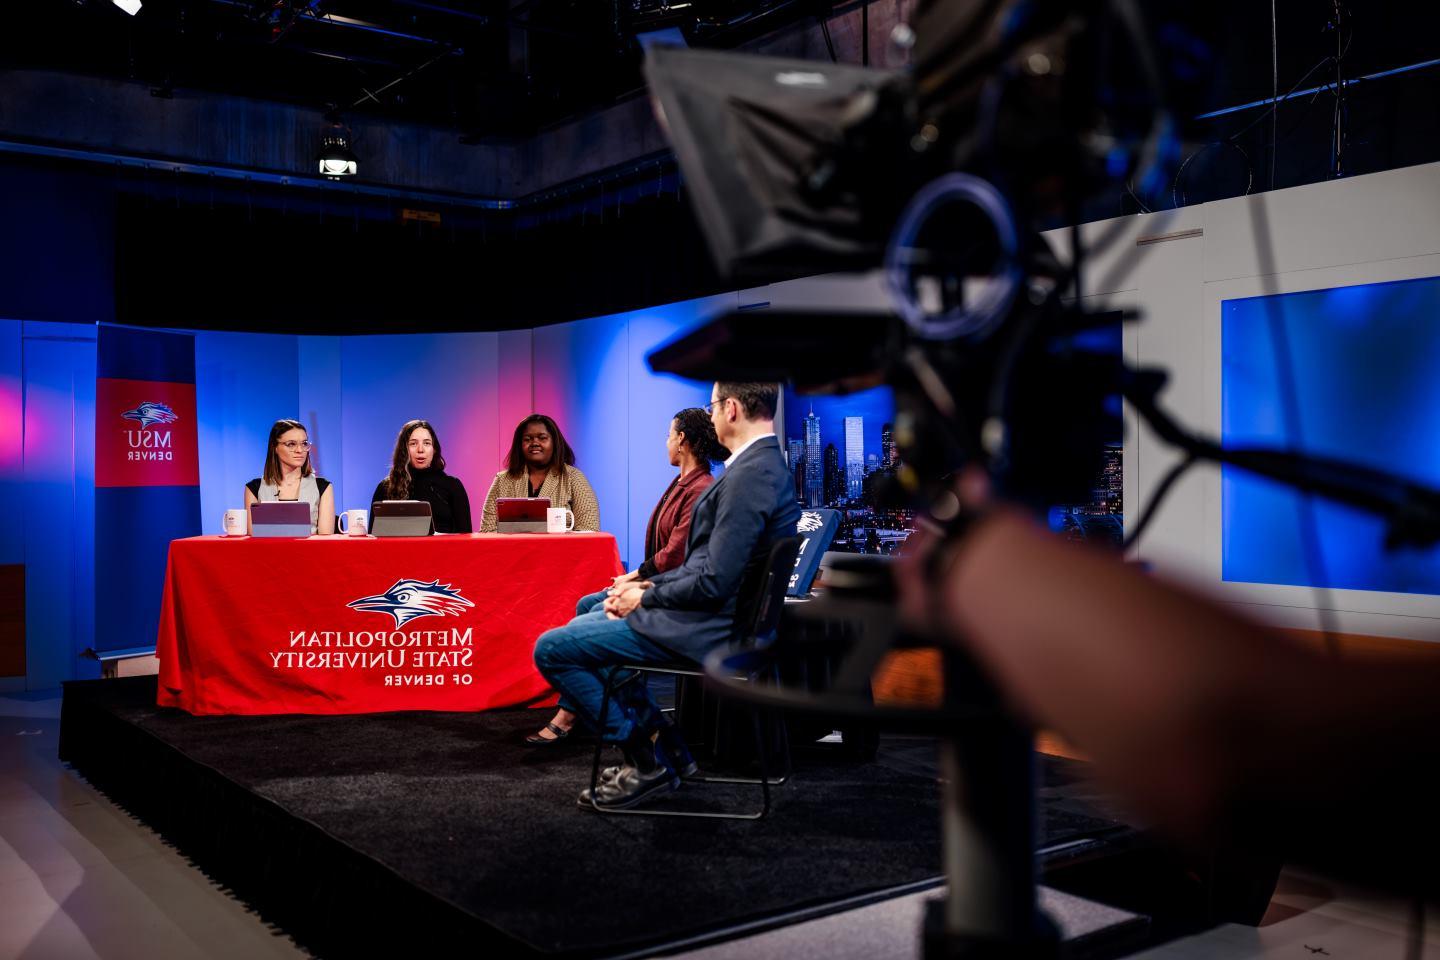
401, 518
521, 514
276, 518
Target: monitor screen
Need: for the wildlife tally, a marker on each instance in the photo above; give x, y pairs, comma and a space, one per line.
1349, 372
838, 449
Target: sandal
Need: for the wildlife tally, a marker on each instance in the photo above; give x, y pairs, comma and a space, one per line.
536, 740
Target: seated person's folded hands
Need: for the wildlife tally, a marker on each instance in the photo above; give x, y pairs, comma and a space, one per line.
620, 582
620, 604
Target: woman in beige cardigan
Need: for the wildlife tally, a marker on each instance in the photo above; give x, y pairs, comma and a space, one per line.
541, 464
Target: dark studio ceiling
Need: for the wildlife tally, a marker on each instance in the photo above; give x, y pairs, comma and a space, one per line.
504, 69
486, 68
600, 201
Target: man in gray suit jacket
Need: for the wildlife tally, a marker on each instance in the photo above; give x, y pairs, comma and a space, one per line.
681, 613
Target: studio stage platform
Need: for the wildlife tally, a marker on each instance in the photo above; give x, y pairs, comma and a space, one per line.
420, 833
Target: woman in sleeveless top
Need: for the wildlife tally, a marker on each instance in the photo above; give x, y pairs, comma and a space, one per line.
289, 476
541, 464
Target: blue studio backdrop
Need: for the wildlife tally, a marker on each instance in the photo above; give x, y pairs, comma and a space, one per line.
1348, 372
147, 475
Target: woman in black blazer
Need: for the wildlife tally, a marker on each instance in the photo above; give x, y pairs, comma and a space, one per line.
417, 472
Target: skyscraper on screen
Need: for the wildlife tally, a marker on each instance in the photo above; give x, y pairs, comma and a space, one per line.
814, 468
854, 456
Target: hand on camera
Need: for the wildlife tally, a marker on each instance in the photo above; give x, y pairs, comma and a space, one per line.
933, 547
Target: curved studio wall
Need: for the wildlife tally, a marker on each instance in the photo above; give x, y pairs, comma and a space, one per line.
1206, 285
353, 393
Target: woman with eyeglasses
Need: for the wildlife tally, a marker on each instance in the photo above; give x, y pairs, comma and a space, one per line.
541, 464
417, 472
289, 476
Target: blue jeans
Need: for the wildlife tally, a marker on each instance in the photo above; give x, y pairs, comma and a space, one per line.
587, 604
577, 658
591, 602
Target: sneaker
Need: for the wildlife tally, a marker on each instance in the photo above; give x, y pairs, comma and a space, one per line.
630, 788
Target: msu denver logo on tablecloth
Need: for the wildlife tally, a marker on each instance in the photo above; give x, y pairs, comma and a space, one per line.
409, 599
150, 413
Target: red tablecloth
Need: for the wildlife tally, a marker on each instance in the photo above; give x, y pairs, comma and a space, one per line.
358, 625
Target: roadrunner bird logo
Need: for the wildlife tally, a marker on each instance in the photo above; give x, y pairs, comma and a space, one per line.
409, 599
150, 413
810, 521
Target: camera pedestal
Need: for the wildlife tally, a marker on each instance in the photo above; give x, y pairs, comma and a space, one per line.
987, 813
987, 767
938, 943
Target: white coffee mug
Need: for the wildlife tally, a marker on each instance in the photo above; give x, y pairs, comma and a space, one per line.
233, 523
353, 523
555, 520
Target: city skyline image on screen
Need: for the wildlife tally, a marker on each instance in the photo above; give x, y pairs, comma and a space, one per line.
841, 450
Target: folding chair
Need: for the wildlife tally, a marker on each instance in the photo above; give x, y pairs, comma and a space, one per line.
757, 616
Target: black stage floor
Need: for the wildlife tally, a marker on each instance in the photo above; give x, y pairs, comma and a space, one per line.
408, 832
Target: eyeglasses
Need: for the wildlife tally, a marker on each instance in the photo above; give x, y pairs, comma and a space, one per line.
710, 407
293, 445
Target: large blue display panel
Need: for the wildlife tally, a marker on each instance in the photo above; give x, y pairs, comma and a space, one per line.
1353, 373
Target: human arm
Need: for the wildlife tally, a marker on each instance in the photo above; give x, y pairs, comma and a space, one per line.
325, 512
488, 522
619, 582
460, 507
1200, 717
623, 602
583, 502
671, 553
249, 499
712, 573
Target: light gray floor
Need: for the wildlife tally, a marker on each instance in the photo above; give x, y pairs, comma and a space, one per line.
81, 879
1310, 919
1310, 914
890, 928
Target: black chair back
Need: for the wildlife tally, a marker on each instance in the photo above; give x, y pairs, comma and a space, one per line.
762, 596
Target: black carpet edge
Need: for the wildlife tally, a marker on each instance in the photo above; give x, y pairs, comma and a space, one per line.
324, 893
762, 923
331, 898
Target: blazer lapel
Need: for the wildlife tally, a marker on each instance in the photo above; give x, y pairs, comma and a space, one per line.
709, 490
731, 468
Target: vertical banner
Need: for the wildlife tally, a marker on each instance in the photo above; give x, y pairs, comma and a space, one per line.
147, 475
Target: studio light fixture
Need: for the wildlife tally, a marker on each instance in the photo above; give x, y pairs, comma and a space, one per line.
131, 7
337, 161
